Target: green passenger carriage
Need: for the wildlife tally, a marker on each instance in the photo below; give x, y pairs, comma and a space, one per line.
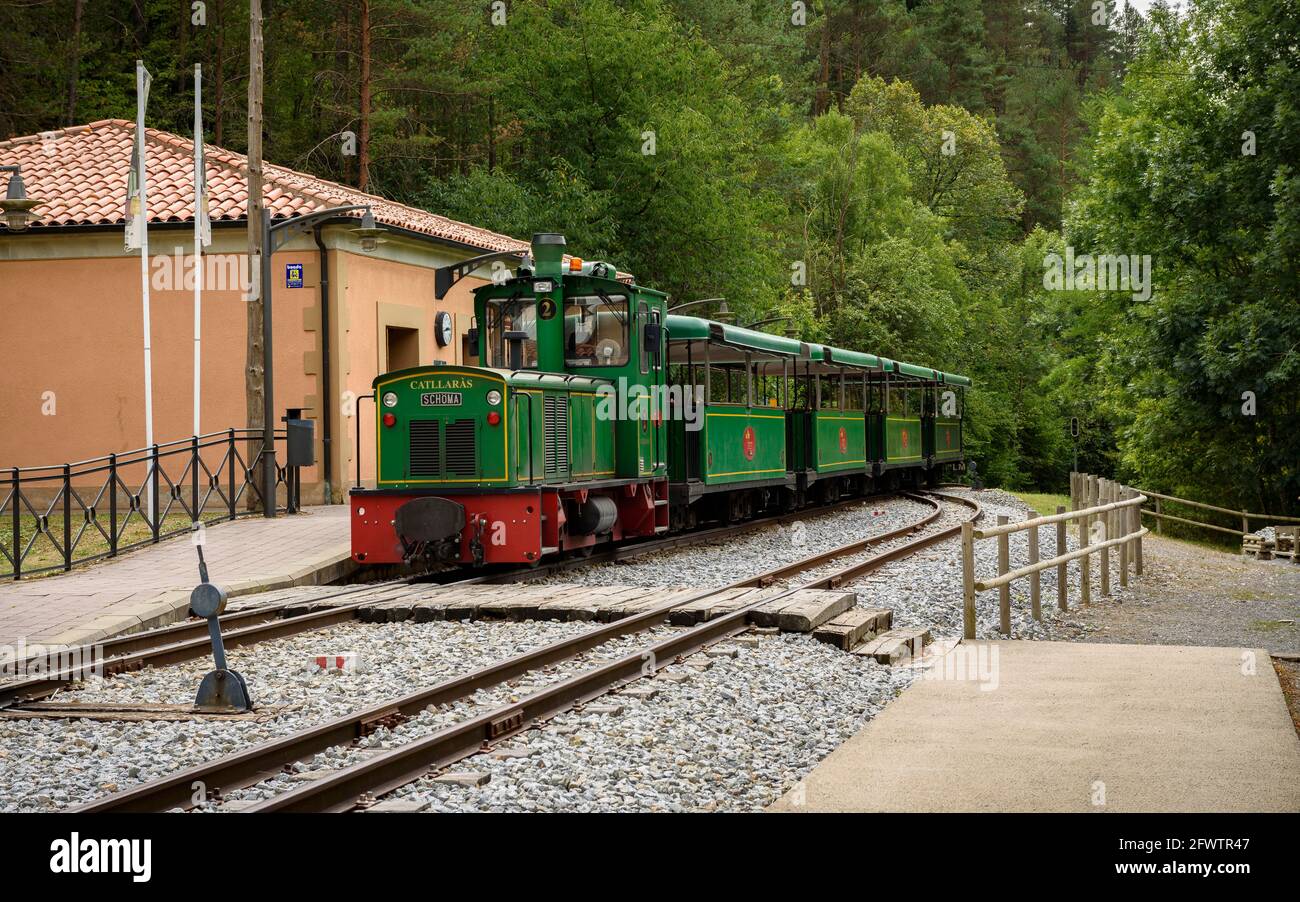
595, 416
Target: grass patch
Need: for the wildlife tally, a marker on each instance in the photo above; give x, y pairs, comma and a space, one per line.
1270, 626
1044, 504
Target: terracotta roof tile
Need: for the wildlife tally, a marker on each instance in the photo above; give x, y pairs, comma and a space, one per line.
80, 173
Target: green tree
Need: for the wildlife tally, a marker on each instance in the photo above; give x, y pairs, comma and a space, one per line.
1201, 378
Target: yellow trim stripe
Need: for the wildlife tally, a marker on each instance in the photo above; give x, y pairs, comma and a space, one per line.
756, 416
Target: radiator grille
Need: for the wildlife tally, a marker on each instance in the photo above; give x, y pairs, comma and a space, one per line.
555, 426
462, 449
424, 449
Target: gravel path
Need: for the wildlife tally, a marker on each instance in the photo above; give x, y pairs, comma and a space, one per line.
1188, 594
1194, 595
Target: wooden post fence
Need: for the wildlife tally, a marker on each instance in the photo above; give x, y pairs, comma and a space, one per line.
1062, 574
1161, 515
1004, 590
1111, 506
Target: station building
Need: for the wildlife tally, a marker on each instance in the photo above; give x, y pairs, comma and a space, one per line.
71, 316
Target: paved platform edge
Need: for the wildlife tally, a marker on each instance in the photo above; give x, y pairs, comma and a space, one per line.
172, 605
1283, 757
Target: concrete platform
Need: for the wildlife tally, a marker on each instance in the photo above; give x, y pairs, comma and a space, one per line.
1073, 727
151, 586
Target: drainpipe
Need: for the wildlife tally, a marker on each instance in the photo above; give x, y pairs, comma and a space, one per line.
327, 398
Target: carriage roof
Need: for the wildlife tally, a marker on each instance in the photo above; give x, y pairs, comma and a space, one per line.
731, 344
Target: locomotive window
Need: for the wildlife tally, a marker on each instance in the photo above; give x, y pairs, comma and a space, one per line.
595, 330
513, 314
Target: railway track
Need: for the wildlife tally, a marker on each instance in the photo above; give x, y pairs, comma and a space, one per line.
354, 786
189, 640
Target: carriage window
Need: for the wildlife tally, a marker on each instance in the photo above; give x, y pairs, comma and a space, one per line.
830, 392
595, 330
511, 315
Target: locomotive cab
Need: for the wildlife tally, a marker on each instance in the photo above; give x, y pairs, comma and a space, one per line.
536, 451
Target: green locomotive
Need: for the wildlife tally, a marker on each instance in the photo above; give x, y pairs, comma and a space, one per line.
596, 417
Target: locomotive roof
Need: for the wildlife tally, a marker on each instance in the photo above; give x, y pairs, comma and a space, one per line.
731, 343
515, 378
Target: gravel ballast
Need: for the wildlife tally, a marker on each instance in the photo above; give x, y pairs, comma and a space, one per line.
732, 736
737, 736
46, 765
722, 561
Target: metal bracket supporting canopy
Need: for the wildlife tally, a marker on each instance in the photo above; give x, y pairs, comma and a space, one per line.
444, 277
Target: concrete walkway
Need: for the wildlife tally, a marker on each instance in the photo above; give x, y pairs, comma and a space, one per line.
151, 586
1073, 727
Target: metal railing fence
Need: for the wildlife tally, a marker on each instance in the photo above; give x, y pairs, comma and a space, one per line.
54, 517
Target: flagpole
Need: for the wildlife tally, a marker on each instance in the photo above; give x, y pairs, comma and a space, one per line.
199, 178
141, 99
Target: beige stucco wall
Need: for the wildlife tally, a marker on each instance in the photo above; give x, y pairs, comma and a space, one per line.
71, 342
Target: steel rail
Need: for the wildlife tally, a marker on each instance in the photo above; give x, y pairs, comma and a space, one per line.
345, 789
848, 574
637, 549
252, 765
406, 763
183, 649
188, 640
102, 652
816, 560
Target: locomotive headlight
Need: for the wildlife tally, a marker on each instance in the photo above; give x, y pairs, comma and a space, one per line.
493, 398
390, 399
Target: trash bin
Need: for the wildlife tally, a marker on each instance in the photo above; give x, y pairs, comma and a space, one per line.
300, 439
300, 451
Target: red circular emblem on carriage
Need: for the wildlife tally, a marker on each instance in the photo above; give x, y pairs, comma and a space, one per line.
844, 440
748, 443
947, 438
904, 439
